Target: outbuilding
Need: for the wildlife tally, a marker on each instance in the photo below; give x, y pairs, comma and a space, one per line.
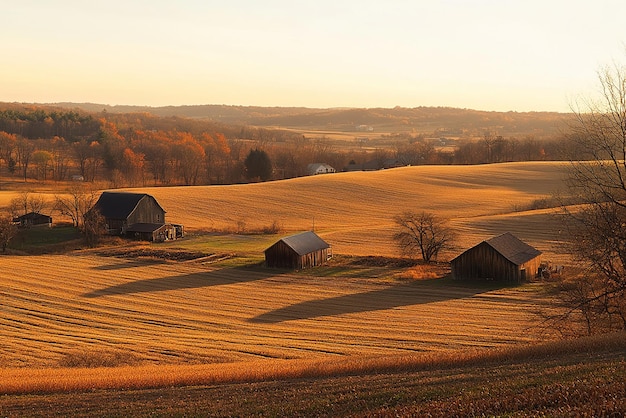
151, 232
137, 215
33, 219
298, 251
503, 258
319, 168
121, 210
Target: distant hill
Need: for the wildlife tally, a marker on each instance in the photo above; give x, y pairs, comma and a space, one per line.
444, 120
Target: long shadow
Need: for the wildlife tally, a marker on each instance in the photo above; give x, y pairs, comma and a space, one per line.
127, 264
415, 293
186, 281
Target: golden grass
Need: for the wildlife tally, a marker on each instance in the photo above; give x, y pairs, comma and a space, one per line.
354, 211
21, 380
84, 310
181, 313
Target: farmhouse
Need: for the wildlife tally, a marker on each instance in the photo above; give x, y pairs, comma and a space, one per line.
504, 258
319, 168
33, 219
298, 251
137, 215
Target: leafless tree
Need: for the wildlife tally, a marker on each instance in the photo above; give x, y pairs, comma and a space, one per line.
76, 202
597, 179
25, 202
423, 233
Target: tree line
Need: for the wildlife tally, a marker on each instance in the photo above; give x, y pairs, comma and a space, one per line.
141, 149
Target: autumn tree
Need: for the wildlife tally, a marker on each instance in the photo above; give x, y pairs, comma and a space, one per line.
8, 230
422, 233
132, 166
24, 151
60, 158
258, 165
217, 154
7, 148
42, 160
189, 155
94, 227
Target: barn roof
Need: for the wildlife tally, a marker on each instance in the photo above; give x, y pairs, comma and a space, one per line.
33, 216
512, 248
305, 242
119, 205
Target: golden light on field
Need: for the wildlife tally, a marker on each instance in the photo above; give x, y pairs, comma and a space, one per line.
354, 211
86, 309
156, 312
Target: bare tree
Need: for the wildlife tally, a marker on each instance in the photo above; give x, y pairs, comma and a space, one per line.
25, 202
76, 203
423, 233
597, 179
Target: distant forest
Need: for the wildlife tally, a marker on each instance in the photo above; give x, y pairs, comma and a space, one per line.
198, 145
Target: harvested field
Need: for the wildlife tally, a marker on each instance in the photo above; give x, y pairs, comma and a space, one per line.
354, 211
91, 310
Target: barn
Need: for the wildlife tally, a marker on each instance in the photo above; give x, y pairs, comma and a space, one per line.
504, 258
298, 251
33, 219
137, 215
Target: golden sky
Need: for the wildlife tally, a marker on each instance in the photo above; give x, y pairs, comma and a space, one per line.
500, 55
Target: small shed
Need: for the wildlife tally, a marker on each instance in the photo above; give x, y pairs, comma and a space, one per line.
298, 251
504, 258
33, 219
152, 232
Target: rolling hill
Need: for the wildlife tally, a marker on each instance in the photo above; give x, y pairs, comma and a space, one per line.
354, 211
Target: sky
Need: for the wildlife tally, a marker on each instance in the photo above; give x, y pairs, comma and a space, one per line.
496, 55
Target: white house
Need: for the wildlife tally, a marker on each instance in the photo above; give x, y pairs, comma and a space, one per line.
319, 168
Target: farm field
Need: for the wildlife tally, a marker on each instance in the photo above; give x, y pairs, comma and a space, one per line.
89, 310
354, 211
86, 308
585, 377
163, 312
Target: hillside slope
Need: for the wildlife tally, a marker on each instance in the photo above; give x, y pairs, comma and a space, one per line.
354, 211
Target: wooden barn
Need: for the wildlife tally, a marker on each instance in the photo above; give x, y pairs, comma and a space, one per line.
137, 215
298, 251
504, 258
33, 219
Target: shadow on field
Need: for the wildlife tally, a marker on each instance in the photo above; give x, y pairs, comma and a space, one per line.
414, 293
127, 264
188, 281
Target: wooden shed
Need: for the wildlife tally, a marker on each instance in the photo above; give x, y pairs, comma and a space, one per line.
298, 251
152, 232
504, 258
33, 219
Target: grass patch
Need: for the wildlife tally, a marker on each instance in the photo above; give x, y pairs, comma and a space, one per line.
55, 239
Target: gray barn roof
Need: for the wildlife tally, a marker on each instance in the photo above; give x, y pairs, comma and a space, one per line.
305, 242
512, 248
119, 205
